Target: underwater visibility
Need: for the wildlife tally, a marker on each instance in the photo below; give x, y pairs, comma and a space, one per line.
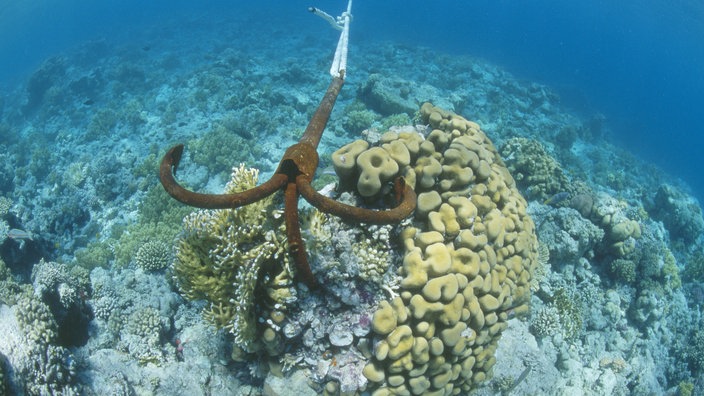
351, 198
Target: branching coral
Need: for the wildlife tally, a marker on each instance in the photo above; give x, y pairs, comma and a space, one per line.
294, 176
153, 256
142, 335
222, 254
42, 366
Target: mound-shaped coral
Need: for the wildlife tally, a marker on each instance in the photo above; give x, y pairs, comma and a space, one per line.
467, 264
535, 170
568, 235
35, 364
153, 256
679, 212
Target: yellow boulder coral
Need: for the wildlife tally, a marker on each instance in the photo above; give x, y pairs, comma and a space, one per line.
467, 263
376, 167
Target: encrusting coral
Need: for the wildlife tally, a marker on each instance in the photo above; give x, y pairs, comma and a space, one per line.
468, 257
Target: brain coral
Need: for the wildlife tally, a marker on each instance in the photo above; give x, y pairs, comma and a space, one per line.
467, 262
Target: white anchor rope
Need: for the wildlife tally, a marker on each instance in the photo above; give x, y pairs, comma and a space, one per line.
339, 62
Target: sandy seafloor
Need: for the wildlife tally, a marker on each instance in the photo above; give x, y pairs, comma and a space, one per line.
81, 140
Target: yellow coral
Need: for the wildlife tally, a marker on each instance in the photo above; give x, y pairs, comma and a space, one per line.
222, 254
467, 265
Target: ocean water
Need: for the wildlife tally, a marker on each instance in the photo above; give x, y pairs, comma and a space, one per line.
604, 98
637, 63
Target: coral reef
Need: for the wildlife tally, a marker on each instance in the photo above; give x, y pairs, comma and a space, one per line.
389, 95
10, 290
142, 336
624, 270
66, 291
147, 340
5, 205
358, 118
81, 142
620, 225
545, 322
3, 377
38, 365
566, 233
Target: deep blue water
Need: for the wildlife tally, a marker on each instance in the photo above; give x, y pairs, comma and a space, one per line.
638, 63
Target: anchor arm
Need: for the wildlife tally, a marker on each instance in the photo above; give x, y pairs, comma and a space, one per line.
405, 197
167, 170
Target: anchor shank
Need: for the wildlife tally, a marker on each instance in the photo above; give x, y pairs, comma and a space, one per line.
316, 126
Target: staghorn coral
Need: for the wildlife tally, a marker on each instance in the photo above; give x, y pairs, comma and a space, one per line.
229, 257
467, 262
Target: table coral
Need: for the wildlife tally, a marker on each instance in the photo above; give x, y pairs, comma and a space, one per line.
468, 259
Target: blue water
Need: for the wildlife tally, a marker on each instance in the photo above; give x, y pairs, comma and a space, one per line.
641, 64
638, 63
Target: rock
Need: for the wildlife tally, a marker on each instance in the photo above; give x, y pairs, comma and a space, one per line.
295, 384
340, 335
